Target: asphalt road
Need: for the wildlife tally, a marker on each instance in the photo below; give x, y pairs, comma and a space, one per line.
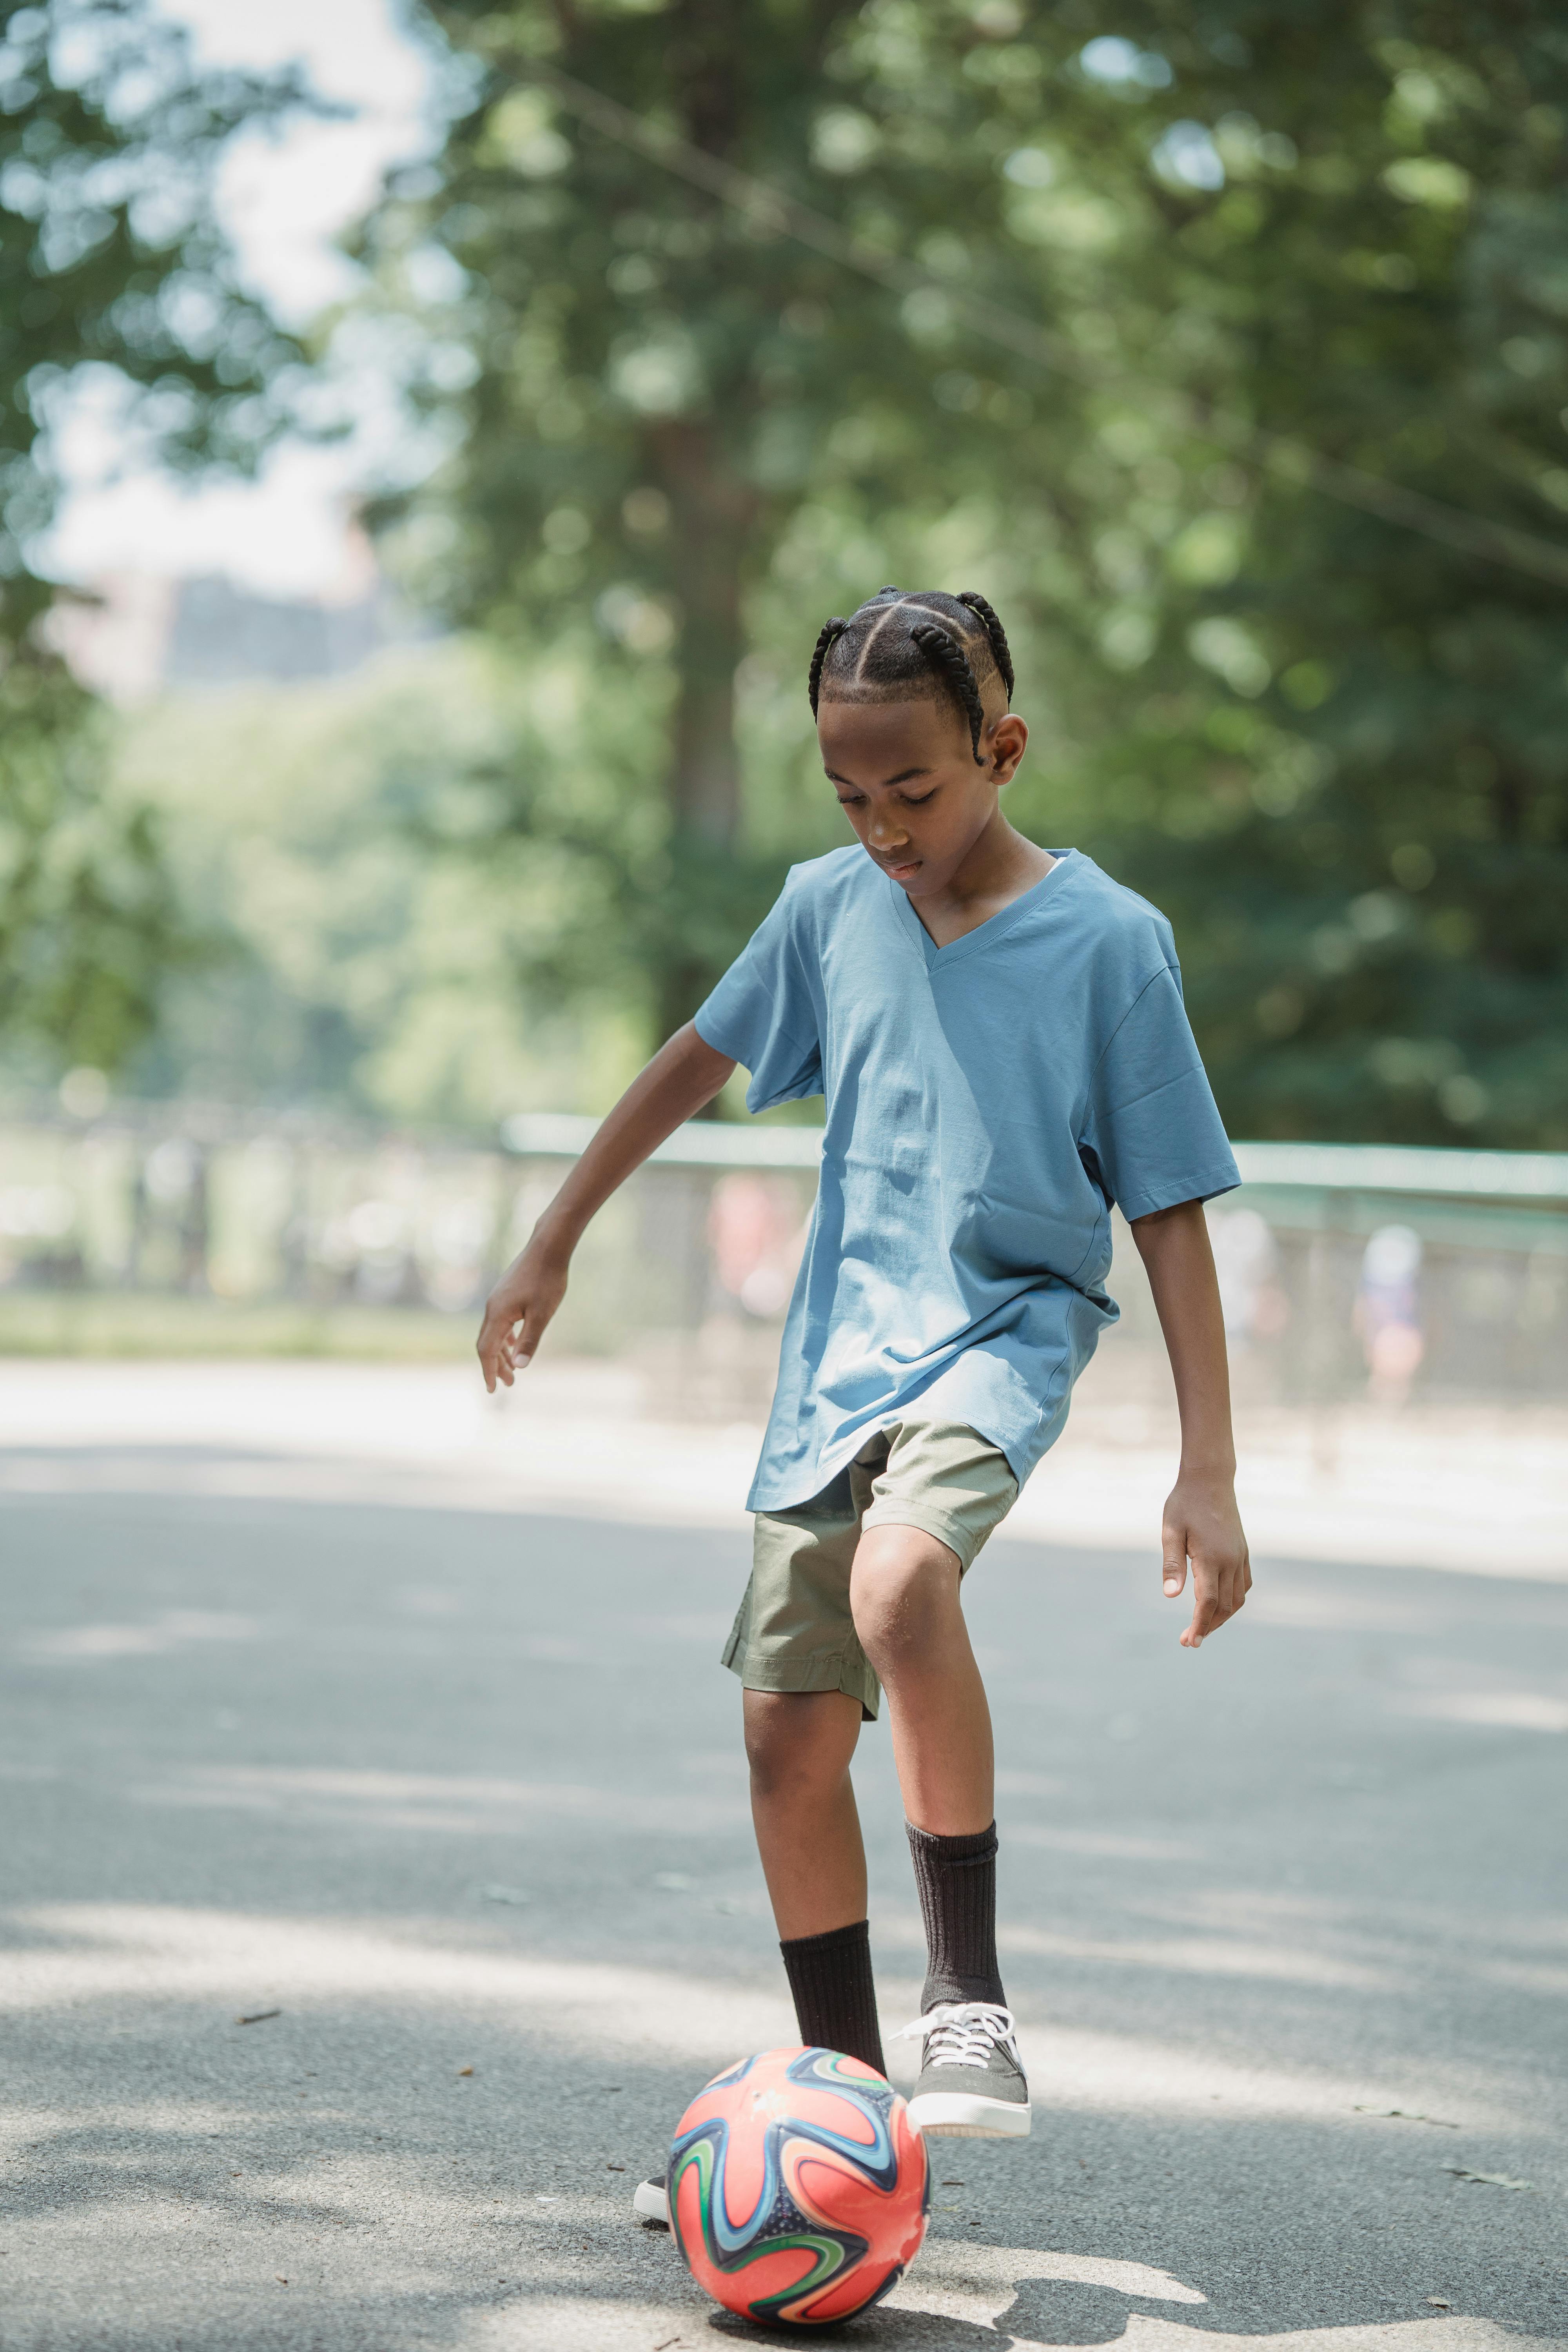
454, 1791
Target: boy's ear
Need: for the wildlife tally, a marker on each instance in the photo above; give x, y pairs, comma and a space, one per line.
1006, 744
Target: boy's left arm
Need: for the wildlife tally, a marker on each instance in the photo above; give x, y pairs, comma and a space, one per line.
1202, 1522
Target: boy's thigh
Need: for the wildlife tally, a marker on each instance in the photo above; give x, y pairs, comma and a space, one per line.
795, 1631
942, 1477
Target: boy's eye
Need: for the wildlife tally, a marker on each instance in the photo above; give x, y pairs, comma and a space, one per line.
851, 800
918, 800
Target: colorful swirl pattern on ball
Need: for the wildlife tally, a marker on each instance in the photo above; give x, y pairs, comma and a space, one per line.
799, 2090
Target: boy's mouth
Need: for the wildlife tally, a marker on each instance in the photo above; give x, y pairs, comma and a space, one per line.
900, 869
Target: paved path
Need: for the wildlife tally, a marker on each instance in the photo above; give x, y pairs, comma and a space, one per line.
1480, 1489
457, 1788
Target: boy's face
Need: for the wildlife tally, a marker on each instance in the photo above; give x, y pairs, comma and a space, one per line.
906, 781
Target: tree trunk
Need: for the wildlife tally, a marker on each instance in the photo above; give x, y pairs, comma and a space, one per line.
713, 511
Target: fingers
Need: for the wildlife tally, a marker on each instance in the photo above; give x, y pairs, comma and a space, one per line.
1219, 1590
1173, 1558
1200, 1527
497, 1351
1241, 1583
509, 1336
1204, 1618
517, 1315
523, 1337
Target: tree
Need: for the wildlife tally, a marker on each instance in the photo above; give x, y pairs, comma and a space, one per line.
109, 257
665, 385
365, 969
90, 923
1364, 834
1286, 310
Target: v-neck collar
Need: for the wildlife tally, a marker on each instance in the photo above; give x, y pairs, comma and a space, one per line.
985, 934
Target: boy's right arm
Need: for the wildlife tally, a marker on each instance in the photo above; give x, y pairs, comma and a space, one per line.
681, 1077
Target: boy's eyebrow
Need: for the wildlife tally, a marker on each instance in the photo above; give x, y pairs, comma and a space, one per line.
904, 776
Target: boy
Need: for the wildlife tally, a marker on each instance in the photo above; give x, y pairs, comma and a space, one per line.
999, 1032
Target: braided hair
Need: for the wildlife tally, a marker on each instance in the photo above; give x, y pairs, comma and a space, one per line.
830, 629
948, 658
899, 646
994, 630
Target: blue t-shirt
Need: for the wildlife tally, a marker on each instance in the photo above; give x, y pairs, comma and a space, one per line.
986, 1103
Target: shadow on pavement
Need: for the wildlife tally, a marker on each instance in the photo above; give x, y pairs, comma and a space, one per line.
454, 1791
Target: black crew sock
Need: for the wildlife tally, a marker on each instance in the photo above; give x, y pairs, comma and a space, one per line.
835, 2001
957, 1881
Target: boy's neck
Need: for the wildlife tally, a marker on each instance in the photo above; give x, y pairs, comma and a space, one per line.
1000, 866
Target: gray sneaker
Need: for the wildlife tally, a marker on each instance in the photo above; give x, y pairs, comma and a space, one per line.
972, 2084
649, 2200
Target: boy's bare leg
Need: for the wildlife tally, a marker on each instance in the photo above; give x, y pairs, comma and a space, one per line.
903, 1590
799, 1744
904, 1595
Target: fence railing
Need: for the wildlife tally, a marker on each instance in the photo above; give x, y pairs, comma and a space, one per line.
1343, 1268
1409, 1169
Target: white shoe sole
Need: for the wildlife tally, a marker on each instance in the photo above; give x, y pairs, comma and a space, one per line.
961, 2114
649, 2202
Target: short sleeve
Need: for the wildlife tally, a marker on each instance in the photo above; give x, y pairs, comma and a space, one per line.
1153, 1124
762, 1014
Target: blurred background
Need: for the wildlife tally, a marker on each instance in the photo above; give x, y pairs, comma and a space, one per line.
432, 434
432, 438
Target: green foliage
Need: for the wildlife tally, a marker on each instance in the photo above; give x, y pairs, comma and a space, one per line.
1364, 838
371, 959
664, 392
110, 256
1331, 748
109, 259
1334, 748
88, 920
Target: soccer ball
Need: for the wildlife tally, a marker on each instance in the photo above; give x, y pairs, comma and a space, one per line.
798, 2186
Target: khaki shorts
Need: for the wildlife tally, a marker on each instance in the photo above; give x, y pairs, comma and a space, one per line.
795, 1632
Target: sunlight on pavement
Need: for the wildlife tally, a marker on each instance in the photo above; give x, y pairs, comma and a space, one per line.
112, 1953
1412, 1489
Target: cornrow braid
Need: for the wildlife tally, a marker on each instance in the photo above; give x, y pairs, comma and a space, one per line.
908, 644
944, 653
830, 629
994, 630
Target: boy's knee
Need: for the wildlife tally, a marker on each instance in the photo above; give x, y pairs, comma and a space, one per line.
798, 1740
768, 1743
903, 1594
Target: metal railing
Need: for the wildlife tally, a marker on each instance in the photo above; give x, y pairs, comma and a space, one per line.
1343, 1268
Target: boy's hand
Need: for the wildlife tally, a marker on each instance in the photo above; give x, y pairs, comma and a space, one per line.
1203, 1523
527, 1296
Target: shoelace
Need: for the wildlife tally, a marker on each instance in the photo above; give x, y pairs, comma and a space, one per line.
961, 2033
